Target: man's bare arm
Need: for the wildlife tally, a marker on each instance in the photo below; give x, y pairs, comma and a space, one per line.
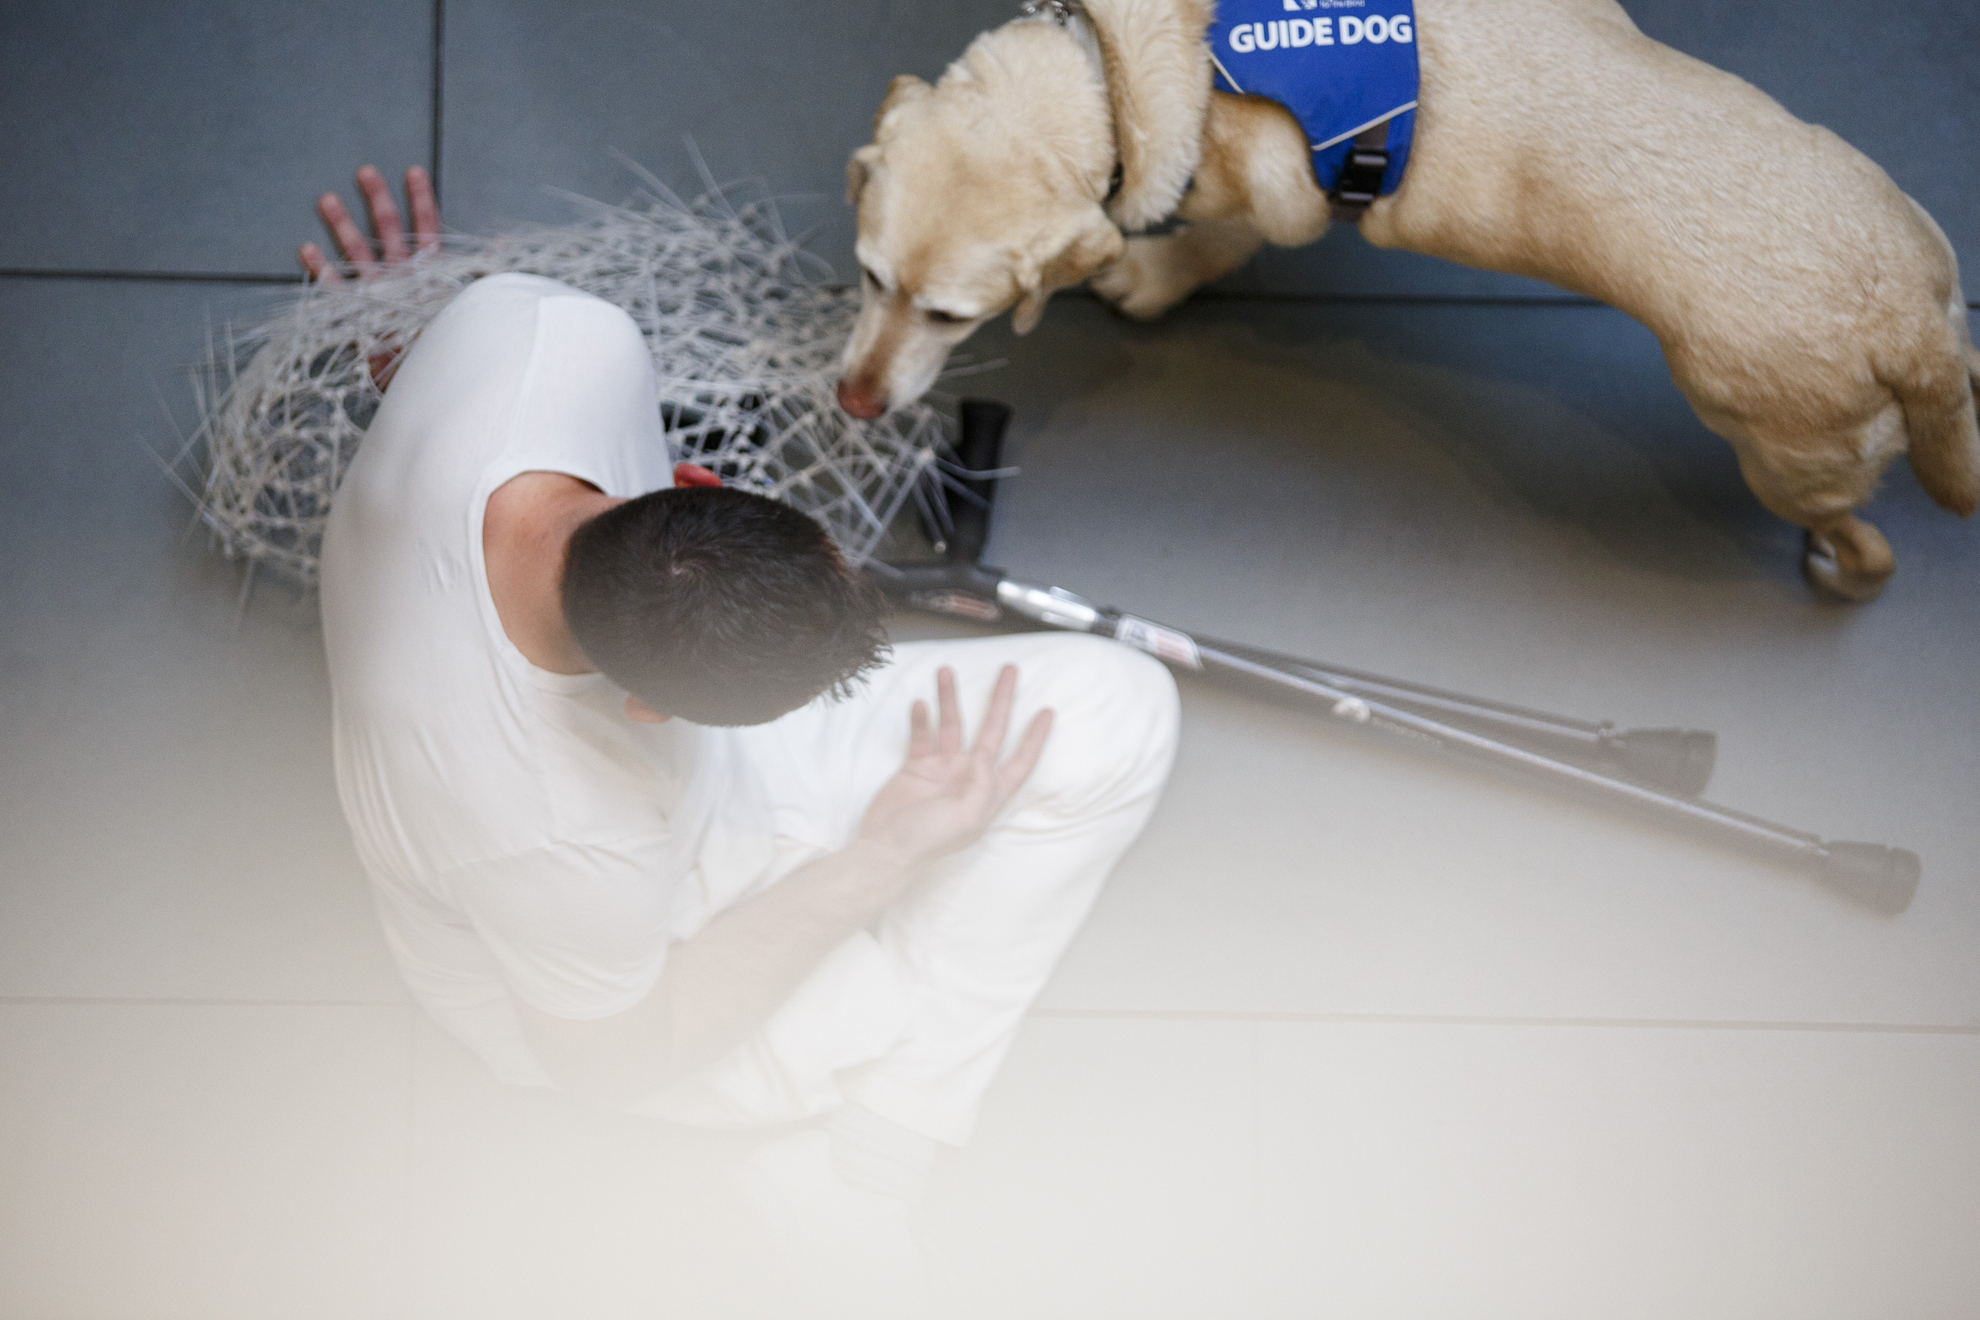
722, 984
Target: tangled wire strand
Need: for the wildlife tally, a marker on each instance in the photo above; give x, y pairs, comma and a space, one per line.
744, 330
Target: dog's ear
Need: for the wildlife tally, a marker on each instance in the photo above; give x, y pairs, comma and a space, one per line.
857, 169
1096, 244
904, 90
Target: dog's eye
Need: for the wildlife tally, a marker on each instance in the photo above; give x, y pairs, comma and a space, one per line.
872, 279
940, 317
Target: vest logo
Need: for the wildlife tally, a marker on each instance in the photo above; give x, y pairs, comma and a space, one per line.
1293, 33
1341, 67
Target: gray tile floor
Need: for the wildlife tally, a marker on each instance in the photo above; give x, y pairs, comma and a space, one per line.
1351, 1033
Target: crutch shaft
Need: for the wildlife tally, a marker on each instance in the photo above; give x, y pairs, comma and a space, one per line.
1881, 877
1679, 760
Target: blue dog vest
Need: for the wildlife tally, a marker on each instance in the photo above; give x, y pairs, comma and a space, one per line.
1343, 67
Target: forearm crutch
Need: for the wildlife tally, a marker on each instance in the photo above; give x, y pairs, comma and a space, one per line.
1654, 771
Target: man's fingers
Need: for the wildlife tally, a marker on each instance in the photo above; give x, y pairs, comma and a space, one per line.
920, 741
350, 239
386, 221
425, 206
997, 719
317, 266
949, 738
1012, 773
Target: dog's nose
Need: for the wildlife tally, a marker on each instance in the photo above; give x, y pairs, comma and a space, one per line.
861, 403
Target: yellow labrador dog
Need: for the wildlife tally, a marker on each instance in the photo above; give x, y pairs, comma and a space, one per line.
1809, 310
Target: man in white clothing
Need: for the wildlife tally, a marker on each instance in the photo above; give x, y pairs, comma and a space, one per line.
800, 898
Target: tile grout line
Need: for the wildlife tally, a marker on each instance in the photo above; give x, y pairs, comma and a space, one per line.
1460, 1020
439, 101
1211, 295
1387, 299
161, 276
1257, 1158
1154, 1015
401, 1262
111, 1001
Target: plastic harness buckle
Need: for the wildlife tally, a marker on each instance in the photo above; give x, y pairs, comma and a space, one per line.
1360, 180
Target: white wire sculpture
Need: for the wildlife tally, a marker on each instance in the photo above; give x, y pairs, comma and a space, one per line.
745, 332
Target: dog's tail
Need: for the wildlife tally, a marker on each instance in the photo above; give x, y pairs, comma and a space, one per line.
1938, 397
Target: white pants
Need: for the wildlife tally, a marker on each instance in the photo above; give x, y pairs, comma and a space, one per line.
912, 1018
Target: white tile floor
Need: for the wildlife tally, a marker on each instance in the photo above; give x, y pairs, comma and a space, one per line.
1117, 1174
1579, 1171
213, 1160
524, 1205
1351, 1035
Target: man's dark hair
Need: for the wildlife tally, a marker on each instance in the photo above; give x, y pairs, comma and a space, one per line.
719, 606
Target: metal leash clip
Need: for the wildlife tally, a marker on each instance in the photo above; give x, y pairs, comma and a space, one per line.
1062, 12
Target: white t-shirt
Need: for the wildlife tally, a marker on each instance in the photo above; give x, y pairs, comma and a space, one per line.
524, 838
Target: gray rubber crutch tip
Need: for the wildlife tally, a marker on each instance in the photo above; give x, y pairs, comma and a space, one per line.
1877, 877
1679, 760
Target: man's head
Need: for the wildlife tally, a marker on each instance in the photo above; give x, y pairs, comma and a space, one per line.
718, 606
980, 194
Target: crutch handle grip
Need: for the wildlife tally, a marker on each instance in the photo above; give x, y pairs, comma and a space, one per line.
979, 448
1679, 760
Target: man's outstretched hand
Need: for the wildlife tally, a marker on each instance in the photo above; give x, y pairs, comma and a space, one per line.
945, 796
724, 983
387, 225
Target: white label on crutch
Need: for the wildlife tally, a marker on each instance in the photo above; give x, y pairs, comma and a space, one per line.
1163, 643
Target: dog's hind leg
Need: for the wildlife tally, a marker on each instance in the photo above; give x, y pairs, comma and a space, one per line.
1818, 484
1849, 559
1935, 385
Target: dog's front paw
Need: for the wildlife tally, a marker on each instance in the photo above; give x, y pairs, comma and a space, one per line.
1152, 276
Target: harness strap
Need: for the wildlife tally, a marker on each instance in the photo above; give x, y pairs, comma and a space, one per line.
1360, 179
